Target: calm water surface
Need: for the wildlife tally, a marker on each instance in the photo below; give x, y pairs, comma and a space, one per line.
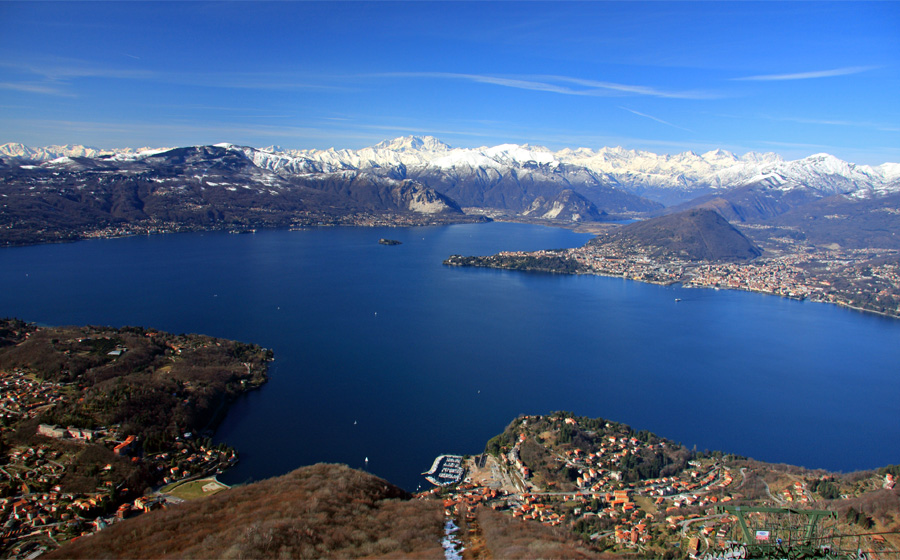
384, 353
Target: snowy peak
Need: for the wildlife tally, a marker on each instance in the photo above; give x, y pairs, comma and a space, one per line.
460, 158
890, 171
413, 144
828, 175
512, 154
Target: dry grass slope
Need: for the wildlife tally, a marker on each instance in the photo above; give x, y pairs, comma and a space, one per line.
322, 511
506, 537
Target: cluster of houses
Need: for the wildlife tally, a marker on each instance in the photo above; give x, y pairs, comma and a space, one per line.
600, 471
607, 260
36, 514
795, 493
790, 275
633, 512
188, 460
23, 397
772, 278
636, 516
36, 505
786, 275
37, 508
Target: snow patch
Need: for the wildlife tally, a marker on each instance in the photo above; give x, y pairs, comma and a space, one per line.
451, 543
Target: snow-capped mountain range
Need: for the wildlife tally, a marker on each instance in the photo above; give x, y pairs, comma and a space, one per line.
62, 192
669, 179
47, 153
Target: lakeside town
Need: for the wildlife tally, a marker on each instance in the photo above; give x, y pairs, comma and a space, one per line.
863, 279
37, 514
62, 481
302, 219
671, 512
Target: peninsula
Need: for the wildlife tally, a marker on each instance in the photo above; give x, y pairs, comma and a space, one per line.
699, 248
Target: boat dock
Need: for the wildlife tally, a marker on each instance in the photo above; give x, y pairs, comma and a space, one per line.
446, 470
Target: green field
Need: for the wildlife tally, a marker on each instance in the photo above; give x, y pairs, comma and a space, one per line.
194, 489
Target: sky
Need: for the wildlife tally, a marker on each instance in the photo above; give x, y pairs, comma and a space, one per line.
795, 78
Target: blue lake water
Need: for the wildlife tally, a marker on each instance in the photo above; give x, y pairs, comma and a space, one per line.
384, 353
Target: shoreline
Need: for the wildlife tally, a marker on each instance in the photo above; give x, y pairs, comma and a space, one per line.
373, 221
684, 284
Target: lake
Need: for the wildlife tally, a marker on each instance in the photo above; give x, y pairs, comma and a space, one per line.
383, 353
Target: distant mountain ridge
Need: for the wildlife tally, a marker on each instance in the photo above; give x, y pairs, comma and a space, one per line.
202, 187
47, 153
210, 186
664, 178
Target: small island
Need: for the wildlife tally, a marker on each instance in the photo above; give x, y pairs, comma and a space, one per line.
385, 241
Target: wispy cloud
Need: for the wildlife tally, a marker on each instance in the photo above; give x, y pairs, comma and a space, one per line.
635, 90
556, 84
429, 131
793, 144
30, 87
883, 127
134, 133
651, 117
61, 69
808, 75
56, 77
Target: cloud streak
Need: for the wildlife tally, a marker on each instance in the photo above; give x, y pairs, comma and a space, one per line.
651, 117
62, 69
807, 75
883, 127
556, 84
35, 88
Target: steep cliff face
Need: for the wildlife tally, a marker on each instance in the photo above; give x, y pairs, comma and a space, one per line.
566, 206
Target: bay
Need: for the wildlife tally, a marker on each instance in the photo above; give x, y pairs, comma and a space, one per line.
383, 353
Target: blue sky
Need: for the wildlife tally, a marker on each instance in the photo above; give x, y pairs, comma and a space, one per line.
794, 78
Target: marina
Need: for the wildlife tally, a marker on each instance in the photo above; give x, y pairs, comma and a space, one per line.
445, 471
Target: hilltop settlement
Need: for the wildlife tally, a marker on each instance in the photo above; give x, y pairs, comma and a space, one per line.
93, 419
633, 493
